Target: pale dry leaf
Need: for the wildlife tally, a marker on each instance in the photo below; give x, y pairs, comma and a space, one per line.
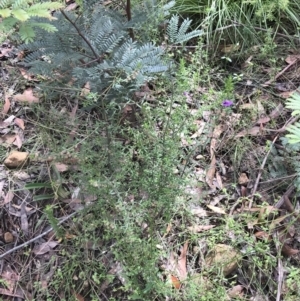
200, 228
286, 94
85, 90
7, 139
27, 96
277, 111
256, 130
264, 119
219, 180
290, 59
216, 209
10, 119
236, 291
27, 75
18, 142
16, 159
44, 247
61, 167
210, 174
6, 106
181, 266
20, 123
8, 198
200, 212
288, 251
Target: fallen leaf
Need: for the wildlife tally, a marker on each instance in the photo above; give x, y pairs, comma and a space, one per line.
200, 228
85, 90
288, 251
236, 291
182, 262
6, 106
44, 247
252, 132
27, 96
8, 198
20, 123
292, 58
8, 237
27, 75
216, 209
200, 212
18, 142
16, 159
175, 281
223, 257
263, 235
7, 139
61, 167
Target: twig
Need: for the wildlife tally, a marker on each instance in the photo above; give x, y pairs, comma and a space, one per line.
285, 195
82, 35
280, 267
37, 237
267, 83
260, 171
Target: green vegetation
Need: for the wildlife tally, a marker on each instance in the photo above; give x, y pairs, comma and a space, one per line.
158, 166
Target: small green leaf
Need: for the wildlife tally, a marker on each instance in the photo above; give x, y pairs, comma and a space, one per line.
37, 185
26, 32
20, 14
5, 12
43, 197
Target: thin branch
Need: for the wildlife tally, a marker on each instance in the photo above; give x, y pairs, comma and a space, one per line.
37, 237
82, 35
260, 172
128, 13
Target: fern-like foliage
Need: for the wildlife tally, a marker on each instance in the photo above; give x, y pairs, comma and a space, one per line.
293, 103
19, 12
96, 47
180, 35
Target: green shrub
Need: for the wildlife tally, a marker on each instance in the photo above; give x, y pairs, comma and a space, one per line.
98, 47
17, 16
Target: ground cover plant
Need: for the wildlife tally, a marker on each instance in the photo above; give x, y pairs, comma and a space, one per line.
147, 171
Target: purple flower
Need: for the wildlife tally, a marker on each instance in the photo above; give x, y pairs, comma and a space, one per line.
227, 103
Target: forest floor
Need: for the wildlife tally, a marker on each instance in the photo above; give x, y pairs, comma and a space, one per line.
232, 231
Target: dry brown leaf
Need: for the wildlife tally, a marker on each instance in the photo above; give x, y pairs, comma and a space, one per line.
27, 75
85, 90
210, 174
199, 212
7, 139
8, 198
252, 132
18, 142
200, 228
286, 94
290, 59
78, 297
277, 111
181, 266
216, 209
6, 106
61, 167
8, 237
175, 281
16, 159
263, 235
288, 251
27, 96
236, 291
20, 123
219, 180
44, 247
